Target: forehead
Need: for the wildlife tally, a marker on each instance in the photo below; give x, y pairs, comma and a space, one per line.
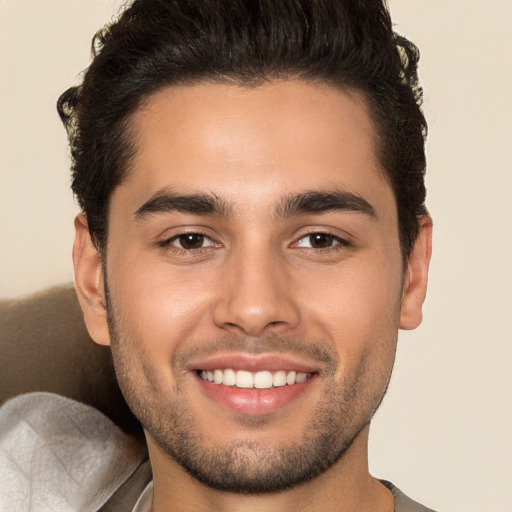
253, 144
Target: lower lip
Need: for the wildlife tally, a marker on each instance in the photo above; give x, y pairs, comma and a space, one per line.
254, 401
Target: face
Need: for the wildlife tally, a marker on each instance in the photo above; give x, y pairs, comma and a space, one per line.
255, 280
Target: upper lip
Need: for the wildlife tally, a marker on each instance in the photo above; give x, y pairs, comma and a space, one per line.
272, 362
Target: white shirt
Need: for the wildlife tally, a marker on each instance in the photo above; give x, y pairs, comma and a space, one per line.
145, 501
58, 455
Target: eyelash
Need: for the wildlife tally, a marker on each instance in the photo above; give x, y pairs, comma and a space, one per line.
338, 242
168, 243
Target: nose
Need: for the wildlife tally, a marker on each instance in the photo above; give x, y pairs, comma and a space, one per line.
256, 296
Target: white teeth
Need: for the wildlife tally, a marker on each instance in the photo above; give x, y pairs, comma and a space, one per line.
218, 376
290, 378
279, 379
263, 380
244, 379
259, 380
301, 377
229, 377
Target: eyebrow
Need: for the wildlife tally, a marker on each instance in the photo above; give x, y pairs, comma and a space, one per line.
325, 202
166, 201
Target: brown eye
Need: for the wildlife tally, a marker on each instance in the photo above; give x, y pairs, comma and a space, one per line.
321, 240
191, 241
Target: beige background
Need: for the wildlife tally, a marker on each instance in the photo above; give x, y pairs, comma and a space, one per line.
444, 431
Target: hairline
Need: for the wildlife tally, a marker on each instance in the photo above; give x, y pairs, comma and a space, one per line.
129, 133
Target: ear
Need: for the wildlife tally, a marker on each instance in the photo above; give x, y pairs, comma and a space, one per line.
89, 282
416, 276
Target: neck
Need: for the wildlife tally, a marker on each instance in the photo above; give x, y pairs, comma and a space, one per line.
346, 486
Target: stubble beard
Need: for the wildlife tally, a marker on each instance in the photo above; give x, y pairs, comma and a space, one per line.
246, 466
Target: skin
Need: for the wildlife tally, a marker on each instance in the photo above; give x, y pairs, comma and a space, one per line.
257, 286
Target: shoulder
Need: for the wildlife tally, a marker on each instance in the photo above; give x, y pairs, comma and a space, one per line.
60, 454
402, 502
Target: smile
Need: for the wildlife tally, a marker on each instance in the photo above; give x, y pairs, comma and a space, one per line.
253, 380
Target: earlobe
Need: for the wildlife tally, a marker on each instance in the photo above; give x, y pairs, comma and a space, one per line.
416, 277
89, 282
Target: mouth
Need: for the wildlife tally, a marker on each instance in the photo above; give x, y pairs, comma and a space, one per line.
255, 384
257, 389
243, 379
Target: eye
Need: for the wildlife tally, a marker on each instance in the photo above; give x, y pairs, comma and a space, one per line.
190, 241
320, 241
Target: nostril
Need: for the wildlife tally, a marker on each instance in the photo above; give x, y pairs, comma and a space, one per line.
252, 310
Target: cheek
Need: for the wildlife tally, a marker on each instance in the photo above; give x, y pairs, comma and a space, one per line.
158, 308
356, 307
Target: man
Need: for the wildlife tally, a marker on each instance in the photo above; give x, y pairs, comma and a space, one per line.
253, 236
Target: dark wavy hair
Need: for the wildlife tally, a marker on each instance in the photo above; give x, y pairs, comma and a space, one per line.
157, 43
